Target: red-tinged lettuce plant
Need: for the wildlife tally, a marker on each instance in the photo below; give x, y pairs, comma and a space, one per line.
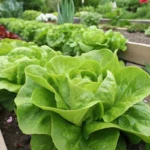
89, 102
6, 34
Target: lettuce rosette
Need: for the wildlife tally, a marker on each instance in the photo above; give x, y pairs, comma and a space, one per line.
89, 102
15, 56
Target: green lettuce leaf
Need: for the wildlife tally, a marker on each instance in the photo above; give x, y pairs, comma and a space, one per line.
135, 121
42, 142
14, 61
70, 136
84, 102
133, 86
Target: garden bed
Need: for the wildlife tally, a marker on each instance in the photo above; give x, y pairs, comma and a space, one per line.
8, 122
136, 37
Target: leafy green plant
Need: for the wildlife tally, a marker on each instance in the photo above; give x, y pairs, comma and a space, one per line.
49, 6
11, 8
103, 9
147, 147
30, 14
142, 12
124, 23
90, 18
130, 5
15, 26
138, 27
115, 16
147, 68
93, 3
147, 32
31, 28
112, 37
107, 26
66, 11
87, 8
75, 40
129, 15
103, 2
84, 103
70, 39
40, 35
15, 56
32, 5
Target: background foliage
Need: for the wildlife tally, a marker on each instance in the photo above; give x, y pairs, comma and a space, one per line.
11, 8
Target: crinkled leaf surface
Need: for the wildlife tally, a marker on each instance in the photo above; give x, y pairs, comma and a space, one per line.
31, 119
14, 62
42, 142
83, 102
133, 86
135, 121
70, 136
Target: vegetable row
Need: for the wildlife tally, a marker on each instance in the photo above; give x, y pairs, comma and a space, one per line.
70, 39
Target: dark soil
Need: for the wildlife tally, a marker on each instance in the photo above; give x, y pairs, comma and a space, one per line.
136, 37
14, 138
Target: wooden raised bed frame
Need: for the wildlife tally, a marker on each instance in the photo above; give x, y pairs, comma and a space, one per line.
136, 53
2, 143
106, 20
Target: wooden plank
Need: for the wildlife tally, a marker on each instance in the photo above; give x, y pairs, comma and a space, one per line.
138, 21
2, 143
137, 53
106, 20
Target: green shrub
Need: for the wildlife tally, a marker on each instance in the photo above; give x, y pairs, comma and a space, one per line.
11, 8
102, 2
103, 9
30, 14
142, 12
32, 5
80, 13
77, 4
115, 16
90, 18
124, 23
87, 8
129, 15
130, 5
138, 27
93, 3
40, 5
49, 6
